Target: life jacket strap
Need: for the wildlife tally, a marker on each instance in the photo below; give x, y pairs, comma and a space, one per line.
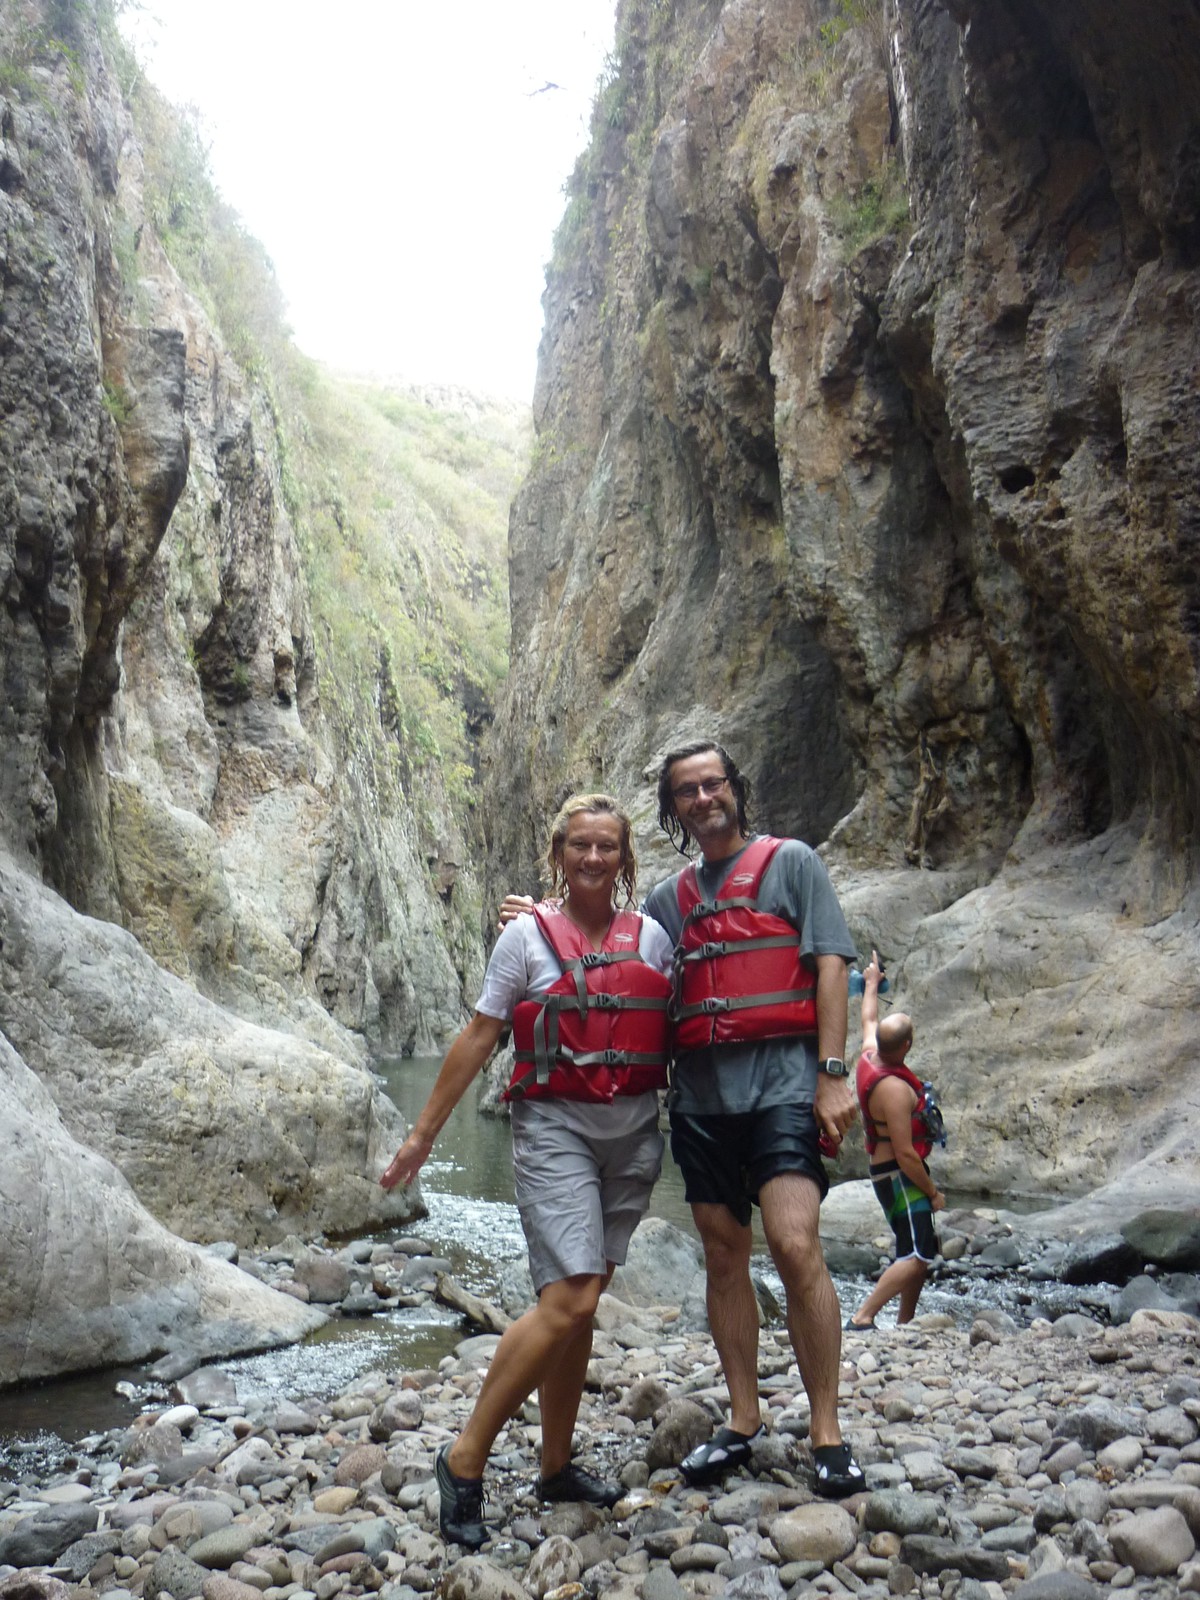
596, 1058
599, 1058
717, 1003
710, 908
578, 966
724, 947
546, 1047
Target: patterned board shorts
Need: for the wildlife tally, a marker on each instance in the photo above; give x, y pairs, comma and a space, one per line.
907, 1210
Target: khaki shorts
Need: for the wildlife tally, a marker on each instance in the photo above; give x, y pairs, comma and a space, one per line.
580, 1197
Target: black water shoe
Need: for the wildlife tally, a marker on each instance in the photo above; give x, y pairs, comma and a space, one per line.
837, 1472
461, 1514
716, 1456
572, 1483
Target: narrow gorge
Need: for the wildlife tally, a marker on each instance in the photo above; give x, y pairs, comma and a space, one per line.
864, 439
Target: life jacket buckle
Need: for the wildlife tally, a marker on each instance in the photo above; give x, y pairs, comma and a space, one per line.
605, 1001
594, 958
612, 1058
714, 1003
711, 949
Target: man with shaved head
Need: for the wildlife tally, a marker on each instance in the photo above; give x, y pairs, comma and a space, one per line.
892, 1099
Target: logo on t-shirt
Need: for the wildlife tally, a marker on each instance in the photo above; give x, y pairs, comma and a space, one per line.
623, 938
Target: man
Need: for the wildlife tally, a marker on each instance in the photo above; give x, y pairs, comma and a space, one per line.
758, 1078
898, 1139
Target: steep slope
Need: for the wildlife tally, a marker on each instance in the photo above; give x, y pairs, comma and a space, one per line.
866, 443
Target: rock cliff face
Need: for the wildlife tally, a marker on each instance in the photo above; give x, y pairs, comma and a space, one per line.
166, 769
903, 508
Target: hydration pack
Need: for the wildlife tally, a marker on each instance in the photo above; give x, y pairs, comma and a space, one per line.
930, 1113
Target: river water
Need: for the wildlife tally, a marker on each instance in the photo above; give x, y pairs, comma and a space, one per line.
467, 1186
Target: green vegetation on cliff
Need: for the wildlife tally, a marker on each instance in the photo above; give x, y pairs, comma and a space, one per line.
399, 496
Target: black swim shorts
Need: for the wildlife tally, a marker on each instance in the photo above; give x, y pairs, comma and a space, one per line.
725, 1160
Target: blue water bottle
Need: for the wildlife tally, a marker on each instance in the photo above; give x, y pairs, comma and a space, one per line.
857, 985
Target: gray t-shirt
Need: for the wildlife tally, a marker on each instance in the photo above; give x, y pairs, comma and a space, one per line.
523, 966
730, 1079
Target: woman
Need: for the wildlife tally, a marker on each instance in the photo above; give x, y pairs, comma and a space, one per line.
585, 987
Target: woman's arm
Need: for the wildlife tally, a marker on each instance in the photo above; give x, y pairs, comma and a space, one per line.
464, 1060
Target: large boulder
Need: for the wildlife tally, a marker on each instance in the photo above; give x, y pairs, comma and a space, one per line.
225, 1130
90, 1278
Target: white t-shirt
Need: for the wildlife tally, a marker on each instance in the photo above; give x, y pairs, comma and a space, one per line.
523, 966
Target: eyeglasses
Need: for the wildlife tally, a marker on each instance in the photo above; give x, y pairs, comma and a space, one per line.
687, 792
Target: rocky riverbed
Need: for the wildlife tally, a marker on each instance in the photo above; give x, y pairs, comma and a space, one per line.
1061, 1458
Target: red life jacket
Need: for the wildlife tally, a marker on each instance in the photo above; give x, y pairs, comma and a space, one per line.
739, 974
601, 1030
871, 1070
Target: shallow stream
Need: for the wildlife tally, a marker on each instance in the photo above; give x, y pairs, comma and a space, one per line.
467, 1185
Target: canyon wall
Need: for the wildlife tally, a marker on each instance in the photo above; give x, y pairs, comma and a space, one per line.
866, 443
215, 892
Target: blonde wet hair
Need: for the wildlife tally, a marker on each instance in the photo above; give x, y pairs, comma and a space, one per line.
601, 805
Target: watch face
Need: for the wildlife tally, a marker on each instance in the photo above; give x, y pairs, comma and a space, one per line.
834, 1068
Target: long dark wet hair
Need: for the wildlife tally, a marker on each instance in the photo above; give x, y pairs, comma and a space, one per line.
668, 821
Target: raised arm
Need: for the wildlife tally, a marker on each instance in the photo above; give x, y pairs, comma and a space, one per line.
872, 973
464, 1060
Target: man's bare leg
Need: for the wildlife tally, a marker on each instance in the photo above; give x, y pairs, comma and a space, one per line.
904, 1278
732, 1310
791, 1206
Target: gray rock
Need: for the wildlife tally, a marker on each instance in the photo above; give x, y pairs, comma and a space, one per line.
77, 1560
326, 1277
971, 1462
1139, 1294
1064, 1459
1171, 1425
821, 1532
223, 1547
1075, 1325
745, 1506
1086, 1500
1154, 1543
39, 1540
683, 1426
476, 1578
759, 1582
663, 1264
642, 1399
1019, 1537
900, 1512
660, 1583
1099, 1423
174, 1574
927, 1554
72, 1302
1057, 1586
1170, 1239
1100, 1259
401, 1412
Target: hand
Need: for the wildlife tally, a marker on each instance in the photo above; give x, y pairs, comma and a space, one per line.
873, 971
407, 1162
938, 1203
835, 1108
514, 906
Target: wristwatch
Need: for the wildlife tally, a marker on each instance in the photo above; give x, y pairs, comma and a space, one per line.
834, 1067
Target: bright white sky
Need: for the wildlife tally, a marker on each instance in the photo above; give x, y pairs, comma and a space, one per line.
396, 160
